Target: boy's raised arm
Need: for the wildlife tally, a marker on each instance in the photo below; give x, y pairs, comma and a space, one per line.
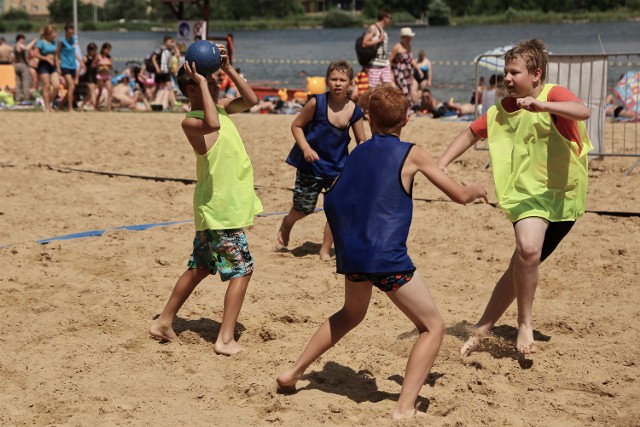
211, 121
247, 97
459, 145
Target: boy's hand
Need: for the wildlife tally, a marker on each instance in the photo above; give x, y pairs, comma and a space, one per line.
224, 57
193, 74
478, 190
529, 103
310, 155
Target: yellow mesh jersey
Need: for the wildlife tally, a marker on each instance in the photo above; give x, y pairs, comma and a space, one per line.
537, 171
224, 197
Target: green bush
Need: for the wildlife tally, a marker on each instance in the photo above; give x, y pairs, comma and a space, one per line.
402, 17
88, 26
15, 15
3, 27
337, 18
24, 26
439, 13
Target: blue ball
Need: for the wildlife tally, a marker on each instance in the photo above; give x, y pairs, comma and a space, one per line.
206, 56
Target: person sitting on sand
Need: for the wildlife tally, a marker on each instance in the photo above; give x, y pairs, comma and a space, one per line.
539, 147
369, 209
430, 105
321, 131
123, 98
224, 202
618, 111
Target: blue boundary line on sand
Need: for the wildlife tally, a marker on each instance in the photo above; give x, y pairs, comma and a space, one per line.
139, 227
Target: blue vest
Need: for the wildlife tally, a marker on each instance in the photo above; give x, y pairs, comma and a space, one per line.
369, 211
330, 142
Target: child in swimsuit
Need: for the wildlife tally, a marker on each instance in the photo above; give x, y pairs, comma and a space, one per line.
103, 64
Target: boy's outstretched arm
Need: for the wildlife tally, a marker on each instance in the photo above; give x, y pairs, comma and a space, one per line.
420, 160
459, 145
247, 97
572, 110
297, 129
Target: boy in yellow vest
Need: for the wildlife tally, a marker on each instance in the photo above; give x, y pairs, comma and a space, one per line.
224, 201
538, 147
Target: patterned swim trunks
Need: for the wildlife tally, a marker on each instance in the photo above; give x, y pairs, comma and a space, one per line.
385, 282
225, 251
307, 190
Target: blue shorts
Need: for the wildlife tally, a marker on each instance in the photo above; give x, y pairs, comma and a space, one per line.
45, 67
225, 251
384, 282
66, 71
307, 190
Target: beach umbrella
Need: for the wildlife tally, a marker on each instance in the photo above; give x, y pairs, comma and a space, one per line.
493, 59
628, 90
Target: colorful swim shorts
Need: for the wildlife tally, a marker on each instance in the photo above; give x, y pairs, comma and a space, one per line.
307, 190
225, 251
385, 282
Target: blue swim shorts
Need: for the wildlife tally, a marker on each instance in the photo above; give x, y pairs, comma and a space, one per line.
384, 282
225, 251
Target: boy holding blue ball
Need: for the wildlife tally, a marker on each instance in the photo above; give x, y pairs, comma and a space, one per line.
224, 201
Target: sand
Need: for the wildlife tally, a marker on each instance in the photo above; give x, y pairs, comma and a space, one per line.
75, 347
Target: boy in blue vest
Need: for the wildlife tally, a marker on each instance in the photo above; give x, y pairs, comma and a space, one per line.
369, 209
321, 131
224, 201
538, 146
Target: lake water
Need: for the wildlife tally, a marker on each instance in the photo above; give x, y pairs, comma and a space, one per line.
279, 55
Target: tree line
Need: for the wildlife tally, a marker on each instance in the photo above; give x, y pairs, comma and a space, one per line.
156, 10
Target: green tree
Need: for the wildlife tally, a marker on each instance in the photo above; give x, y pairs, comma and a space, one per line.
62, 10
15, 15
125, 9
439, 13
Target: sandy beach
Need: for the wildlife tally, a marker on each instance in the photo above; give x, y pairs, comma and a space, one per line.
75, 348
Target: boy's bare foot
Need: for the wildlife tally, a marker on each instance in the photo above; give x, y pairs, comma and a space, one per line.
162, 332
325, 256
525, 343
227, 349
283, 233
410, 413
287, 382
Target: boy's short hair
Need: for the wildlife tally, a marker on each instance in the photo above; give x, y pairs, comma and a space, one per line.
166, 39
534, 54
340, 65
388, 108
183, 80
20, 37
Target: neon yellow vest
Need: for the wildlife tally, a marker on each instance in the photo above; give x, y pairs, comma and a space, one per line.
537, 172
224, 196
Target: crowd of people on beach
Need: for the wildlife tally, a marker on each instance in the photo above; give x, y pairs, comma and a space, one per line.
52, 73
